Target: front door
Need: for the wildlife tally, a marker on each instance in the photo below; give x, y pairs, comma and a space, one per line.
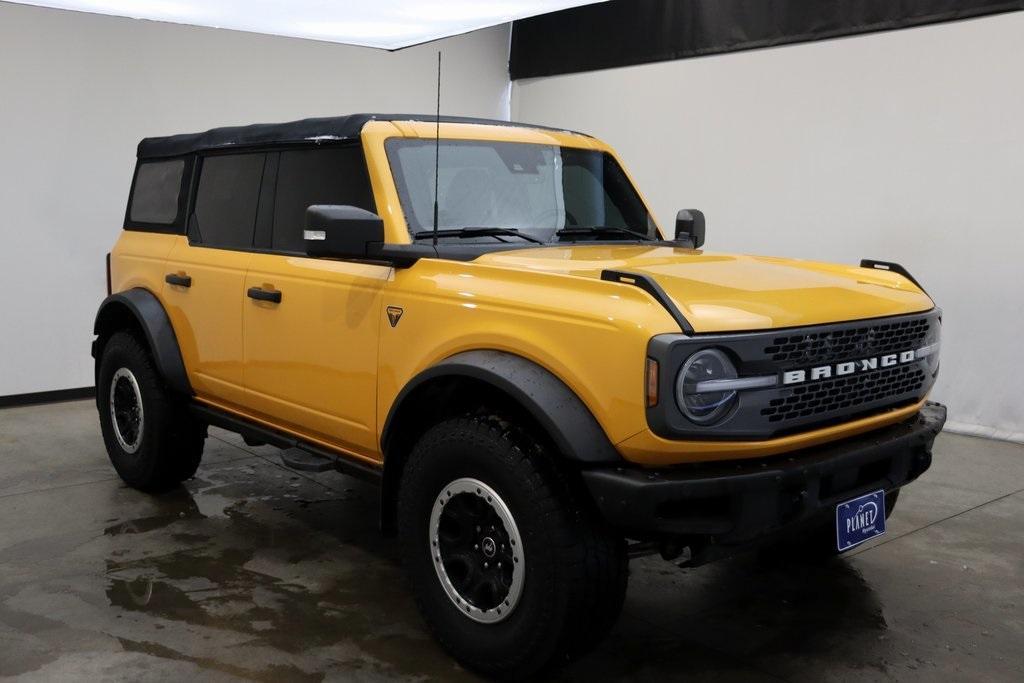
311, 358
311, 326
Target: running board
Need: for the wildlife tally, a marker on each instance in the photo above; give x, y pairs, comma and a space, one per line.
298, 459
294, 450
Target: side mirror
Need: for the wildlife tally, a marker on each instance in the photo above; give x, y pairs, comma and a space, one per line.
342, 231
690, 227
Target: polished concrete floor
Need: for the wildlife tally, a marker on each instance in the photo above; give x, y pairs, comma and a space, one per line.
254, 572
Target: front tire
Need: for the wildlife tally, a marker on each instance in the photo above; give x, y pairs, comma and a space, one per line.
151, 440
510, 568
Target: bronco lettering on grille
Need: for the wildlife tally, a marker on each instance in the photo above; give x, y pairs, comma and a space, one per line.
847, 368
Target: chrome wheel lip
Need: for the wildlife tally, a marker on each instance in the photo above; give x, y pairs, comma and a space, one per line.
124, 374
490, 496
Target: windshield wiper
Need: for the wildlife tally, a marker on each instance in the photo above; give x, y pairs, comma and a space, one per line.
477, 232
602, 230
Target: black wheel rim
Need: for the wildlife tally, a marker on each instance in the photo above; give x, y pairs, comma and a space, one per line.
126, 410
477, 550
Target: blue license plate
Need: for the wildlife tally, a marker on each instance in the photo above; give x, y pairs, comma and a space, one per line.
860, 519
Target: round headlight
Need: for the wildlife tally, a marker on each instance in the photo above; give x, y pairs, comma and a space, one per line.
697, 399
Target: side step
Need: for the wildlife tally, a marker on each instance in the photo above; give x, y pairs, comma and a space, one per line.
298, 459
295, 453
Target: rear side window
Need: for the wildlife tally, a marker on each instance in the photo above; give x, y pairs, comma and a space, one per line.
226, 200
305, 177
157, 192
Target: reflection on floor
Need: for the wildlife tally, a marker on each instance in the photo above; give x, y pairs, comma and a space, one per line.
254, 572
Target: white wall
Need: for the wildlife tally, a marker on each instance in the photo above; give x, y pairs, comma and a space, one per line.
905, 146
78, 91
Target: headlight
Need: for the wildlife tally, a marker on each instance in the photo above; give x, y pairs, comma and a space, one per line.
930, 347
695, 390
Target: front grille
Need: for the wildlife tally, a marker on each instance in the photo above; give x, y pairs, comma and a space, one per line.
845, 344
821, 400
844, 394
857, 349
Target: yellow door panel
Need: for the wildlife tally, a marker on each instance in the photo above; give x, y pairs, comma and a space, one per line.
137, 260
207, 316
311, 360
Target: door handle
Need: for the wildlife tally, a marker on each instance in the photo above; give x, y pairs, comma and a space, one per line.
263, 295
178, 280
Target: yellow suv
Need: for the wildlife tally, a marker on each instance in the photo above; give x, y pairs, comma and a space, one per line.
485, 319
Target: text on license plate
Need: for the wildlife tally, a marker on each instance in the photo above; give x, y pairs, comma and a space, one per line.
860, 519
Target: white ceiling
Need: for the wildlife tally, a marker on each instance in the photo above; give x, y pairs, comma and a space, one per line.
388, 24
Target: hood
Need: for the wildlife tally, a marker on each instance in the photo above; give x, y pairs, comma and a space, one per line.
723, 292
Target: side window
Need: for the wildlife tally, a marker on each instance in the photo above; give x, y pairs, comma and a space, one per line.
599, 193
157, 191
335, 175
226, 200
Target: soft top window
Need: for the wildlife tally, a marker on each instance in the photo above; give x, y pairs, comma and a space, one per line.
157, 191
227, 200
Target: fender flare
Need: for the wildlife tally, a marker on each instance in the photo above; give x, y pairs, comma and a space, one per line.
151, 317
546, 398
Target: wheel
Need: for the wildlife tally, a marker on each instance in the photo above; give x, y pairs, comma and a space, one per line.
510, 568
151, 440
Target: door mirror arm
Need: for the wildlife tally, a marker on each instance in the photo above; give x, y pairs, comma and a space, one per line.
401, 255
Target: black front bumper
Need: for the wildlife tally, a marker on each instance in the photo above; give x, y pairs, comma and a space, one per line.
739, 503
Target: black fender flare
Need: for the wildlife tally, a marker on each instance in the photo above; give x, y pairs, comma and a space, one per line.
554, 406
151, 317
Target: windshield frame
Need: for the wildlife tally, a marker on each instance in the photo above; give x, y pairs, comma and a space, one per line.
389, 146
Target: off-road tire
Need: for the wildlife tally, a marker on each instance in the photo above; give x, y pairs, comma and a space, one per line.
169, 446
575, 567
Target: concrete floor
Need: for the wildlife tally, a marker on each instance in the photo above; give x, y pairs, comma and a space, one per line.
254, 572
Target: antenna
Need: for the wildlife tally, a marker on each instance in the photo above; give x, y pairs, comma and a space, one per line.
437, 144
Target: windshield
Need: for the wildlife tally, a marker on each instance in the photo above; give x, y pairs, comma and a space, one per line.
545, 192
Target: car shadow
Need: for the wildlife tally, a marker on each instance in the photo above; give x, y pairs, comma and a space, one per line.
750, 616
299, 572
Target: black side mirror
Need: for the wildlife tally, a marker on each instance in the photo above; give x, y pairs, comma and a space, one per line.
690, 227
342, 231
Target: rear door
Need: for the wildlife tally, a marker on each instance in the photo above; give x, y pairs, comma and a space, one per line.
311, 357
205, 273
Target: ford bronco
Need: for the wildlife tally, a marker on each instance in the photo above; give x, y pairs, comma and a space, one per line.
486, 319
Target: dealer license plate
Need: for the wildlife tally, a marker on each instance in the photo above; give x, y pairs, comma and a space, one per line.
860, 519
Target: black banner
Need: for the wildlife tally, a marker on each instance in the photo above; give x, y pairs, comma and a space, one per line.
625, 32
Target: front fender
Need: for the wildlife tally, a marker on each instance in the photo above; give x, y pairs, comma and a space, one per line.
554, 406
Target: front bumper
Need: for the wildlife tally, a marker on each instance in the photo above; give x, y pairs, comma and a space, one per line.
742, 502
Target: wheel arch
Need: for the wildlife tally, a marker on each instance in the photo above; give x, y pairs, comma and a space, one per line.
139, 309
496, 380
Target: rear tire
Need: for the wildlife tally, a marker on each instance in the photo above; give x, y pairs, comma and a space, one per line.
152, 441
473, 486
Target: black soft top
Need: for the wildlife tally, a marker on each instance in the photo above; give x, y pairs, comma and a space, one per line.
294, 132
